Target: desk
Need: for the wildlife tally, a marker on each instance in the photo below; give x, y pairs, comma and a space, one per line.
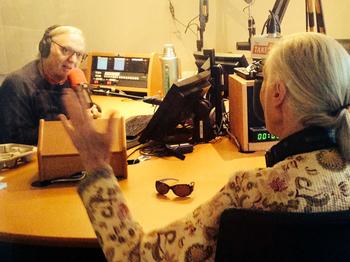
55, 215
125, 106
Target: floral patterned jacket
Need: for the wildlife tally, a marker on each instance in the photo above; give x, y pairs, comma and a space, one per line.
309, 182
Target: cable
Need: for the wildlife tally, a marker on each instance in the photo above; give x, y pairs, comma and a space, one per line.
245, 8
190, 24
251, 21
135, 150
172, 9
187, 27
228, 132
271, 24
235, 140
154, 149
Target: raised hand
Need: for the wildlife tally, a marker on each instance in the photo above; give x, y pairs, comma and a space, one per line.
94, 147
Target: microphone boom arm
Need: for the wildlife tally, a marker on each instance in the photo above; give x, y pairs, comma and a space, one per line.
203, 19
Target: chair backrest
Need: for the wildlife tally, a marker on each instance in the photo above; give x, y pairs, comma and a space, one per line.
253, 235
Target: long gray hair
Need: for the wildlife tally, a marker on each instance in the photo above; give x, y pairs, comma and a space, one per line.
316, 71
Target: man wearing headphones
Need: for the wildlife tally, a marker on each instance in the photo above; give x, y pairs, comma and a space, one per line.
34, 91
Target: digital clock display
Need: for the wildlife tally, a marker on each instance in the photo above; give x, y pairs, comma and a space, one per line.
265, 136
260, 134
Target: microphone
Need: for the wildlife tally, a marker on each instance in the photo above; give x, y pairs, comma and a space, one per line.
203, 13
77, 80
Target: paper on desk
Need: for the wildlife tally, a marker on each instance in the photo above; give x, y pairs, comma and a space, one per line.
3, 185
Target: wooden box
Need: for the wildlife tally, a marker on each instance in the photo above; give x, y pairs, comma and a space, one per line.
240, 105
58, 157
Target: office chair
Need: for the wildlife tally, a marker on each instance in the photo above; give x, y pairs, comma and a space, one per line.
16, 252
255, 235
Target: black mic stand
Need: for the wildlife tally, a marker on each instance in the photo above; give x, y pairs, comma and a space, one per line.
200, 40
251, 31
217, 76
202, 129
216, 89
203, 19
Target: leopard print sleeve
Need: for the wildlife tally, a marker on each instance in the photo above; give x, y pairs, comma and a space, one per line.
117, 233
192, 238
309, 182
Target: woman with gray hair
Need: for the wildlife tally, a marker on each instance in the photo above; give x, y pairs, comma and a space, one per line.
305, 97
314, 70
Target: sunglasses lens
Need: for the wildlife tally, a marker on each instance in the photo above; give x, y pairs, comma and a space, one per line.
162, 188
182, 190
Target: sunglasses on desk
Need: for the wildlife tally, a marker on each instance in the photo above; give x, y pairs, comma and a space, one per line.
181, 190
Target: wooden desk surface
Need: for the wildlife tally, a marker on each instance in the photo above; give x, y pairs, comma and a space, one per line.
54, 215
125, 106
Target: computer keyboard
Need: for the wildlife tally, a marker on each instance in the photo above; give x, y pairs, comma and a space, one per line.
134, 125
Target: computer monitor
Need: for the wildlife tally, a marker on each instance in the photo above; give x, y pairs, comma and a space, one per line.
227, 60
221, 66
175, 120
208, 58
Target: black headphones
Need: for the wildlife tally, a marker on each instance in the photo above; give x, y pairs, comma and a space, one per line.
45, 42
203, 107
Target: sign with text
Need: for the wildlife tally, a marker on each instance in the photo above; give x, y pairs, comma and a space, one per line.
261, 45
